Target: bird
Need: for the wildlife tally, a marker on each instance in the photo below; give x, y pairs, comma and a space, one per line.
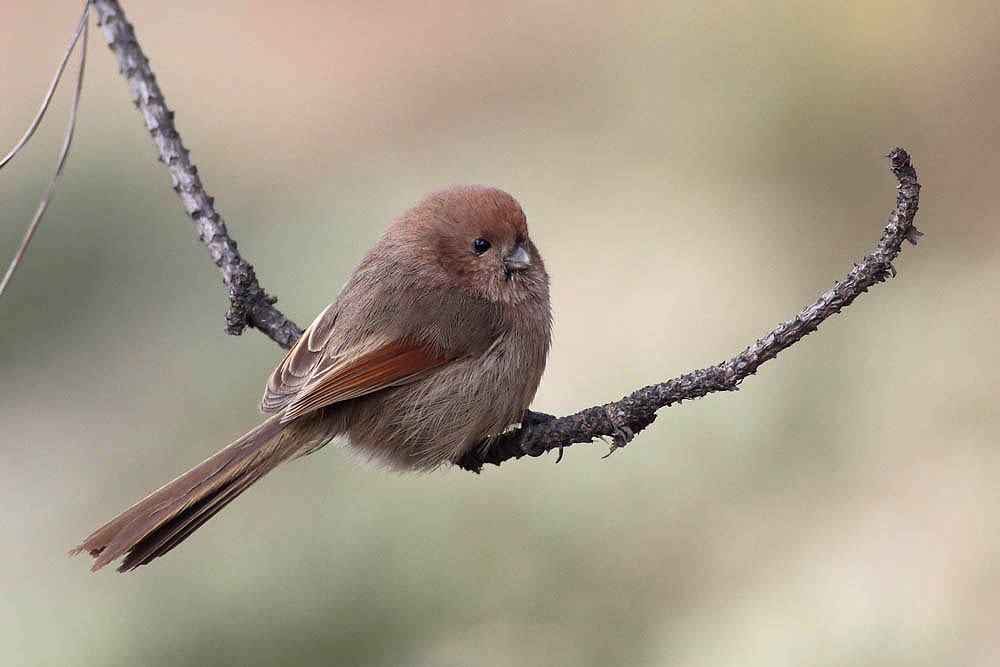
435, 346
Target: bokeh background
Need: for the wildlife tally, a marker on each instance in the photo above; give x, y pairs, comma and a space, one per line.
693, 172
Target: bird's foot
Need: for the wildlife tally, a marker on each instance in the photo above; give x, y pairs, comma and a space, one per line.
622, 434
529, 421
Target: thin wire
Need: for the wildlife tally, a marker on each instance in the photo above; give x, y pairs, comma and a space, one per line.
52, 88
62, 158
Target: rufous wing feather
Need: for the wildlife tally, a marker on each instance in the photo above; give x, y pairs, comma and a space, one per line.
300, 362
389, 365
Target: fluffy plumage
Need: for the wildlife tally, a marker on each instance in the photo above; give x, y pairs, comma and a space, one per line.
436, 343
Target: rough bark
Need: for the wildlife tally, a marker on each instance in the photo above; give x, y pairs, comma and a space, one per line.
249, 303
620, 420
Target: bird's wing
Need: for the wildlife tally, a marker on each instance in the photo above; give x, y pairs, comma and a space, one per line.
295, 370
387, 365
312, 376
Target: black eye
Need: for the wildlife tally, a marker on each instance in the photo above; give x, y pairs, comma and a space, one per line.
481, 245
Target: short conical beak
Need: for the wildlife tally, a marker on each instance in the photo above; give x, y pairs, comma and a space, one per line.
519, 259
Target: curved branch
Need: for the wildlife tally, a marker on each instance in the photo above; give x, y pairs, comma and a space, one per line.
249, 303
622, 419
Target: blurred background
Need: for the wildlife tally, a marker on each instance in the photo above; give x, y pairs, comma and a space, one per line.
693, 172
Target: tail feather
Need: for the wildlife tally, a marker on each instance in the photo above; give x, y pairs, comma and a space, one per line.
163, 519
179, 527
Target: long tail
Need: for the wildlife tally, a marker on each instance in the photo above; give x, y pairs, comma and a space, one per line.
163, 519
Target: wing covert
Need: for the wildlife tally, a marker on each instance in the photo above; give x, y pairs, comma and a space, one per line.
312, 375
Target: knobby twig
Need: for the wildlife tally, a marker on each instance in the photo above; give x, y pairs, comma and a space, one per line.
249, 303
622, 419
81, 28
619, 420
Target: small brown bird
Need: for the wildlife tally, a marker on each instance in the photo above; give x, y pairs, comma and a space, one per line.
436, 344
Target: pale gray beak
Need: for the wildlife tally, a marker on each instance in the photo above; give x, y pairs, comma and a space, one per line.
518, 260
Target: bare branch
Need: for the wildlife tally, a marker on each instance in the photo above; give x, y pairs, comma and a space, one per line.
80, 27
63, 153
540, 433
250, 305
622, 419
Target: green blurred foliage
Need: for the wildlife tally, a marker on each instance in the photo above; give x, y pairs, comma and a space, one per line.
693, 173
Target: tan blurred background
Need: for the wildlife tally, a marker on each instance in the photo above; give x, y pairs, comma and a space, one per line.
693, 172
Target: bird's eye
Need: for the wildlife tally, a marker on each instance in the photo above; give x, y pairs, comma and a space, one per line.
481, 245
